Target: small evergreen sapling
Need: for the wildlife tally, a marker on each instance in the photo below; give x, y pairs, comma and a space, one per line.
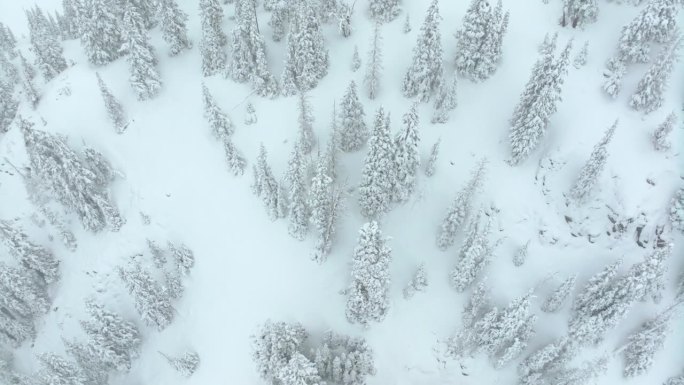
425, 75
649, 94
374, 64
250, 116
406, 157
114, 108
581, 57
432, 160
660, 135
592, 169
407, 24
677, 211
185, 365
266, 187
614, 72
445, 102
521, 254
555, 301
417, 283
356, 59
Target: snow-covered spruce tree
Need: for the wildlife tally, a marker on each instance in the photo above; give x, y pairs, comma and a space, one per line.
142, 61
474, 255
114, 108
274, 346
332, 147
220, 123
100, 30
14, 329
213, 38
407, 24
46, 46
643, 344
614, 72
114, 341
580, 59
248, 62
174, 28
344, 17
55, 370
647, 278
27, 69
305, 134
59, 172
70, 17
585, 373
282, 204
417, 283
30, 92
278, 22
299, 370
537, 104
186, 364
95, 371
406, 157
147, 10
676, 380
375, 189
250, 114
297, 195
656, 22
307, 56
541, 364
183, 257
521, 254
356, 60
425, 75
384, 10
151, 302
649, 94
480, 40
374, 64
578, 13
677, 211
368, 295
8, 106
353, 130
660, 140
236, 162
328, 9
478, 305
31, 255
7, 41
555, 301
265, 185
325, 200
432, 160
460, 208
343, 360
21, 295
445, 102
589, 299
592, 169
10, 72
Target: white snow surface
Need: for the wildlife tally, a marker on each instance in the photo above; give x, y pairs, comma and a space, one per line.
248, 269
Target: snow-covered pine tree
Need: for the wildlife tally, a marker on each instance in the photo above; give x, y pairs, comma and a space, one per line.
183, 257
406, 157
7, 41
174, 28
221, 125
536, 366
151, 302
249, 51
46, 46
21, 299
353, 130
114, 108
460, 208
425, 75
647, 278
614, 72
445, 102
578, 13
305, 134
250, 116
265, 185
656, 22
332, 147
100, 30
186, 364
30, 92
478, 304
324, 201
521, 254
417, 283
10, 72
368, 295
282, 204
588, 371
344, 17
375, 189
407, 24
307, 56
213, 38
14, 329
55, 370
555, 301
677, 211
297, 195
31, 255
58, 171
643, 344
278, 22
592, 169
8, 106
142, 61
274, 346
27, 69
675, 380
374, 64
70, 17
475, 253
299, 370
660, 140
384, 10
649, 94
356, 59
580, 59
343, 359
537, 104
85, 355
432, 160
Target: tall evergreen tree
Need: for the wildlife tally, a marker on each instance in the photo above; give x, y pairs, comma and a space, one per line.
374, 64
46, 46
378, 171
445, 102
649, 94
152, 304
368, 295
578, 13
31, 255
556, 300
58, 371
324, 202
222, 128
100, 30
266, 187
274, 346
8, 106
593, 168
306, 137
384, 10
142, 61
114, 108
356, 60
656, 22
213, 38
353, 130
70, 16
406, 157
299, 209
425, 75
278, 22
174, 28
432, 161
474, 255
660, 141
645, 343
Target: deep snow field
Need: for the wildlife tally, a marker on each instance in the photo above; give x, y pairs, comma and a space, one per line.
248, 269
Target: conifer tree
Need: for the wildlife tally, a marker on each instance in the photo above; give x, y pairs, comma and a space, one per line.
643, 345
418, 282
299, 209
70, 16
478, 304
432, 160
213, 38
274, 346
445, 102
249, 51
100, 30
353, 130
460, 209
581, 58
536, 366
151, 302
174, 28
30, 92
406, 157
538, 102
147, 11
676, 380
578, 13
265, 185
21, 297
343, 359
186, 364
9, 70
142, 61
425, 75
27, 69
57, 170
31, 255
656, 22
521, 255
251, 117
8, 106
374, 64
660, 140
58, 371
592, 169
384, 10
407, 24
556, 300
306, 136
375, 190
356, 60
368, 295
332, 147
614, 72
220, 123
114, 108
649, 94
344, 16
278, 22
677, 211
46, 46
324, 202
474, 255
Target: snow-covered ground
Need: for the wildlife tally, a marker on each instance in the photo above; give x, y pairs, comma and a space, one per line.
248, 269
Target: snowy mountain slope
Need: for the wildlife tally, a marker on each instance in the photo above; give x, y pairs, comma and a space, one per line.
249, 269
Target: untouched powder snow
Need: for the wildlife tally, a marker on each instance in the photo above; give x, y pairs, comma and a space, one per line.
248, 269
